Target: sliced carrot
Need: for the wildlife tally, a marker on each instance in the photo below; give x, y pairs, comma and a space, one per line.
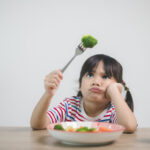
71, 129
104, 129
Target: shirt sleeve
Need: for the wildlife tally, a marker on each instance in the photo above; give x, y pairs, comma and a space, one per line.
57, 114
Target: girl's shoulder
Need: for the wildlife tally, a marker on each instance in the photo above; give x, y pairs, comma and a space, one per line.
72, 102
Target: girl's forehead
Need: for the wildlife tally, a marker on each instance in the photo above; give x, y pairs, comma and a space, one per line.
99, 67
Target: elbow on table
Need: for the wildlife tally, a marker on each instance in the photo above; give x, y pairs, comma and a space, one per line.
130, 128
37, 126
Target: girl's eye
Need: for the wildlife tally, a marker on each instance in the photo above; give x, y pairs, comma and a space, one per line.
89, 75
105, 77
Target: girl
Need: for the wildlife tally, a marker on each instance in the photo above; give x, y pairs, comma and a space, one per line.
99, 97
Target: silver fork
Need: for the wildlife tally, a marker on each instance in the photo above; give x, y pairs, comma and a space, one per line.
79, 50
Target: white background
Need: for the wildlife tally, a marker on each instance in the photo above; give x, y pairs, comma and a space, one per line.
39, 36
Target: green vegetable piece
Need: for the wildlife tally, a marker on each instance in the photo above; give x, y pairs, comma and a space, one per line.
91, 129
58, 127
83, 129
88, 41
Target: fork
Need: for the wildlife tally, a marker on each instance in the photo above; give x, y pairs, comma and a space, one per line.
79, 50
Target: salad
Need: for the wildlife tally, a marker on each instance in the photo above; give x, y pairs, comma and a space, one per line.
82, 129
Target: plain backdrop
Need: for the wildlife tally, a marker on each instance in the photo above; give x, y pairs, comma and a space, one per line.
39, 36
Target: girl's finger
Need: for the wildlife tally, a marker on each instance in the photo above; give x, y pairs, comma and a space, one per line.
51, 85
57, 78
60, 74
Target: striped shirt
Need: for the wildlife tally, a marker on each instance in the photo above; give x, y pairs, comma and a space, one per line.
71, 109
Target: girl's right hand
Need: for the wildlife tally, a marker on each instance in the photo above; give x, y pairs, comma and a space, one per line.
52, 81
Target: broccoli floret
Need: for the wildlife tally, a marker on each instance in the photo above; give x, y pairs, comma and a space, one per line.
83, 129
88, 41
91, 129
58, 127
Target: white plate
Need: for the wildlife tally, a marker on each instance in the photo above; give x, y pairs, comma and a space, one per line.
86, 138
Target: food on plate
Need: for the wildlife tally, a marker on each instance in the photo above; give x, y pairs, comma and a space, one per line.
82, 129
104, 129
58, 127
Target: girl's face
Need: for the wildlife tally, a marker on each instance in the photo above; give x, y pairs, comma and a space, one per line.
94, 85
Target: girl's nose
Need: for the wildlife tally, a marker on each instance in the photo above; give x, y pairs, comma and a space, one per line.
97, 82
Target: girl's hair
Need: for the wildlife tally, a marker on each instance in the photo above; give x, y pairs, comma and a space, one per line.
112, 69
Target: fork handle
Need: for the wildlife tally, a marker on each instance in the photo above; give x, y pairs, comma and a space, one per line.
65, 67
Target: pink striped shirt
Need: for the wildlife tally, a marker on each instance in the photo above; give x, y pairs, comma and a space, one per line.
71, 109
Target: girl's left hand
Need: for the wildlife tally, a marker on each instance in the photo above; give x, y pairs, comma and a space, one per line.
113, 88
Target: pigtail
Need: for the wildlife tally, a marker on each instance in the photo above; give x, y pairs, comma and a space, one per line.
79, 94
128, 97
129, 100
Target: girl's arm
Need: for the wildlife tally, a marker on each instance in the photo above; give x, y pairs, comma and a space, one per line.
124, 114
39, 119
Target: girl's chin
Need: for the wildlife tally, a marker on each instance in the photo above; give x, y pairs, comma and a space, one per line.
96, 98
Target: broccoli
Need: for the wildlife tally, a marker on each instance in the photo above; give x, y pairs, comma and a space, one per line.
58, 127
88, 41
85, 129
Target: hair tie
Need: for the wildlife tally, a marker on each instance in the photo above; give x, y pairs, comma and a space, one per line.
123, 82
126, 88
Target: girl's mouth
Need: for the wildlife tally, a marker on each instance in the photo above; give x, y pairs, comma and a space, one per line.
96, 90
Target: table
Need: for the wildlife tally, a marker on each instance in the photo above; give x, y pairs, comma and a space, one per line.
18, 138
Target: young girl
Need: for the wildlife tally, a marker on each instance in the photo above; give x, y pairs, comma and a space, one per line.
99, 97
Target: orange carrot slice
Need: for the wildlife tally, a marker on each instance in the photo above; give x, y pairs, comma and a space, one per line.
104, 129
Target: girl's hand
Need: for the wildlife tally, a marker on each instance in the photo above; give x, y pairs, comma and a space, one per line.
52, 81
112, 89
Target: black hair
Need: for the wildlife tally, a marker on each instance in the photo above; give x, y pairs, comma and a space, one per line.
112, 69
